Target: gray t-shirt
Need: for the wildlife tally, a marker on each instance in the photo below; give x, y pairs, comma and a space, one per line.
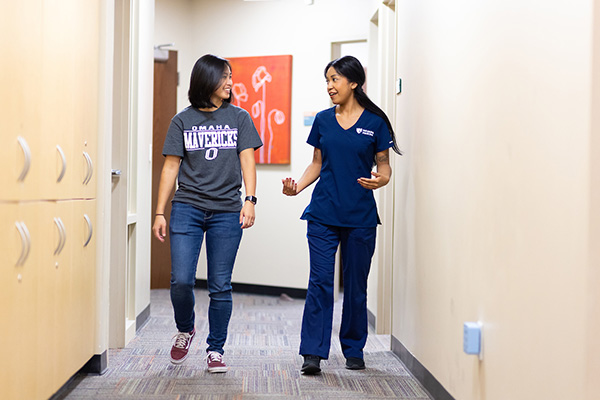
209, 143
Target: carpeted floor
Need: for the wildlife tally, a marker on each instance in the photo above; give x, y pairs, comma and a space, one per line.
262, 355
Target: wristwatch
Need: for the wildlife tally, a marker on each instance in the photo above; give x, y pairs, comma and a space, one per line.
251, 199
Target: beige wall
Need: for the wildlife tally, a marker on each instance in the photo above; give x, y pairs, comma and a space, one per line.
493, 201
593, 307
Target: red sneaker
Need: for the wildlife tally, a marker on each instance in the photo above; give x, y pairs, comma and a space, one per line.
181, 346
215, 362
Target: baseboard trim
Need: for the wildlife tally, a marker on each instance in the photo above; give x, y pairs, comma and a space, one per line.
98, 364
371, 318
429, 382
142, 318
261, 289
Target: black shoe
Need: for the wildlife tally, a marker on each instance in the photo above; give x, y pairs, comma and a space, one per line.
311, 365
355, 363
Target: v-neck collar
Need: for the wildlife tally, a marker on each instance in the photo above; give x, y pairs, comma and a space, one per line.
353, 125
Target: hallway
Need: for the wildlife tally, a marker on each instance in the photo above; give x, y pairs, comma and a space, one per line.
262, 355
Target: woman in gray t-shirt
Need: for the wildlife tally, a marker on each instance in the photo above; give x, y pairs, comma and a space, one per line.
209, 148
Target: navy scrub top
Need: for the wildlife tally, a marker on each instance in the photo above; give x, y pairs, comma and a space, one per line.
347, 154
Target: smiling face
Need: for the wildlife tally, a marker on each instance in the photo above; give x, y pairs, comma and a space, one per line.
339, 88
223, 91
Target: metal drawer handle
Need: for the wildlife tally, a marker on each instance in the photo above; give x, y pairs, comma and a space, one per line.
59, 236
25, 242
62, 232
28, 241
90, 229
65, 234
27, 154
90, 170
87, 162
64, 163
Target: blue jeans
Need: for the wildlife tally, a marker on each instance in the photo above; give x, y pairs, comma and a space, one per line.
223, 235
357, 246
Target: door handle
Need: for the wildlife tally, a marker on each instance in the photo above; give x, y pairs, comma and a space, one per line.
27, 154
25, 242
62, 232
64, 163
90, 229
90, 169
115, 173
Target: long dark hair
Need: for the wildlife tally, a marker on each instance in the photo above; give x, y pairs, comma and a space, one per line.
206, 77
352, 69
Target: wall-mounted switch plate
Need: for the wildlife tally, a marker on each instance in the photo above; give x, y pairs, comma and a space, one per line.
472, 338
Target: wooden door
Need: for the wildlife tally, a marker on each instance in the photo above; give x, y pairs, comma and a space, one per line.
85, 115
19, 318
20, 80
165, 107
75, 286
69, 92
51, 239
83, 282
56, 94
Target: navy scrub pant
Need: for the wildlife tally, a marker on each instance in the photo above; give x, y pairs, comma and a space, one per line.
357, 247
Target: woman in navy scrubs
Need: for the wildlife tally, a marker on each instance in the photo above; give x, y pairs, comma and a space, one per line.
348, 140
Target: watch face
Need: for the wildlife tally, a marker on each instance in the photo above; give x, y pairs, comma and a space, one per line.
252, 199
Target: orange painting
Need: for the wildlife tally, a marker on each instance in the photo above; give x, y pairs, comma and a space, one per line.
263, 87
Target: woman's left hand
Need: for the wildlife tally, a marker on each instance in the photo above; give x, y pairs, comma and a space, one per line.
247, 216
378, 181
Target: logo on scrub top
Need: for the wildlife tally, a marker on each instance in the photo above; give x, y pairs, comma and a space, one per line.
362, 131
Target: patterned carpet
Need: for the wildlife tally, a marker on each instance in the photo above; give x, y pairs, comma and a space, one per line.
262, 355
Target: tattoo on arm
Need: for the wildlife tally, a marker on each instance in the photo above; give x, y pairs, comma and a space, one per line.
383, 159
317, 156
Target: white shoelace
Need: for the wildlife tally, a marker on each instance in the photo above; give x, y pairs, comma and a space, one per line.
214, 356
181, 340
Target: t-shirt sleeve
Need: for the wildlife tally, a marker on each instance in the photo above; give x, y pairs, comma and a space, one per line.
247, 134
314, 137
174, 141
384, 139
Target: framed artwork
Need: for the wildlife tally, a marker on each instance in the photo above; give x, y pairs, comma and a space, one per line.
263, 87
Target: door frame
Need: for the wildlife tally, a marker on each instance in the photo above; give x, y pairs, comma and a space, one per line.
382, 64
118, 323
130, 150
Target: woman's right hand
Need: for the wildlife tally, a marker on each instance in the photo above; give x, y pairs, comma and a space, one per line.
160, 227
290, 187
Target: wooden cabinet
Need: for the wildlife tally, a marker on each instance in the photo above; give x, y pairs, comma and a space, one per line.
48, 129
47, 298
49, 84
